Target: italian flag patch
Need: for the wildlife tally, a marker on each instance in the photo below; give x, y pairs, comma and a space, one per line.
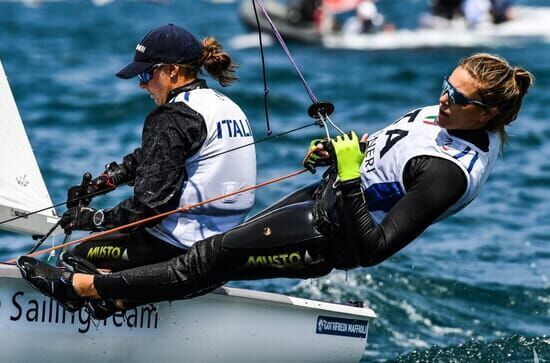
430, 120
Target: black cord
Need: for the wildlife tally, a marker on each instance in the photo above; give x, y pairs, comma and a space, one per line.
44, 237
266, 89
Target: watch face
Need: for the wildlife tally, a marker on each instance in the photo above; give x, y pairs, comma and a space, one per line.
98, 217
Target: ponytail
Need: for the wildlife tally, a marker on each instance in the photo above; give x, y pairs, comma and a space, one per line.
501, 85
217, 63
523, 79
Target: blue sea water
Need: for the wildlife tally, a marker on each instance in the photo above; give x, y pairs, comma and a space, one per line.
473, 288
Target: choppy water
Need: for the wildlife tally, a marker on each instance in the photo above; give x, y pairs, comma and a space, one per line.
471, 289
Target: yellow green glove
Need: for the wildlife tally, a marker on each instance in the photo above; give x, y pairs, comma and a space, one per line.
348, 156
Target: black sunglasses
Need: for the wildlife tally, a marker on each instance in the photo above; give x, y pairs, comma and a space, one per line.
457, 98
147, 75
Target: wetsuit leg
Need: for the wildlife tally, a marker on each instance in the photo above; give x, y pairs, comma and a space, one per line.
301, 195
281, 243
126, 250
123, 251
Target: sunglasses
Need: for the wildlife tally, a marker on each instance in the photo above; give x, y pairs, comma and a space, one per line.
147, 75
458, 98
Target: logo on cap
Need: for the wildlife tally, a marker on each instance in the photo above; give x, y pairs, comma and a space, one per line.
140, 48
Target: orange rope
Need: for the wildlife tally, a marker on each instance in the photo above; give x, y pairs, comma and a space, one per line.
185, 208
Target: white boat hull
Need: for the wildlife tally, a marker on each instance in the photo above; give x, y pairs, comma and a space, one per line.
228, 325
531, 25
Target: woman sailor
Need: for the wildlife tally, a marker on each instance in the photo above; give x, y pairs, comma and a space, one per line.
429, 164
183, 158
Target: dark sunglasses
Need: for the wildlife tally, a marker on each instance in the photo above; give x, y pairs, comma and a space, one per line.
147, 75
457, 98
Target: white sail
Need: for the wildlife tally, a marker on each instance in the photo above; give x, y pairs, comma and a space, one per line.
22, 188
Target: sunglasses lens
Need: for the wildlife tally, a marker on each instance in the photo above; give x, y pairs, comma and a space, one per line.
458, 98
145, 77
455, 97
448, 89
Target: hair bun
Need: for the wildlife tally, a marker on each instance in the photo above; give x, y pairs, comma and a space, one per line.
524, 79
216, 62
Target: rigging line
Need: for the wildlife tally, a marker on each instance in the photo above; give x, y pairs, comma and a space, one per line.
320, 115
185, 208
107, 190
324, 125
266, 89
285, 49
325, 121
45, 237
333, 124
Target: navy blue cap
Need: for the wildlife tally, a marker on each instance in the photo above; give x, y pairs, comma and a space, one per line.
167, 44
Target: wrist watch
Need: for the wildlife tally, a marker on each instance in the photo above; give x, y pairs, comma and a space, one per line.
98, 217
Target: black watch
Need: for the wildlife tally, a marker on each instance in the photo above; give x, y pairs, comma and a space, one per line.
98, 218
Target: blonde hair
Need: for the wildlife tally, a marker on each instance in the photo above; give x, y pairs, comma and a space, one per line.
500, 85
215, 61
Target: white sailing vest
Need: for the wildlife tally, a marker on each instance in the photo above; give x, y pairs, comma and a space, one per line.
211, 175
417, 134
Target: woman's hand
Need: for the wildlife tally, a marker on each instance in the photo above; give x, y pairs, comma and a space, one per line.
318, 155
349, 153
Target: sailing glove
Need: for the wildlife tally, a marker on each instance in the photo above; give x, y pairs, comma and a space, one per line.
318, 155
81, 218
116, 174
349, 155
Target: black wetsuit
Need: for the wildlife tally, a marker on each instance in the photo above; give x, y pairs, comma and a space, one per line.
307, 234
171, 133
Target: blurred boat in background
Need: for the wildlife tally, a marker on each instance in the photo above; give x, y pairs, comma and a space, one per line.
285, 16
528, 24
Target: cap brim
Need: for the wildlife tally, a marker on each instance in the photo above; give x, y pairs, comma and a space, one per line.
133, 69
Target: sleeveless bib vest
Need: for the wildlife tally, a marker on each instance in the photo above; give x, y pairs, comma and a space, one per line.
212, 171
417, 134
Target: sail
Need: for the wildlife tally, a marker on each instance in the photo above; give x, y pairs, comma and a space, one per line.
22, 188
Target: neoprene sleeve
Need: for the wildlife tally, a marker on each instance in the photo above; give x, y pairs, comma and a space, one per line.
433, 185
